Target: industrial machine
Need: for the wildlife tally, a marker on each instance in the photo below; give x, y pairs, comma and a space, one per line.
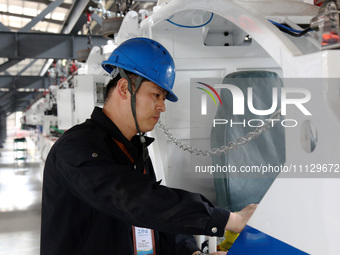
295, 45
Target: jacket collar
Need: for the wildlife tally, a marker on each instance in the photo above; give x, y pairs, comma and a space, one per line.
113, 131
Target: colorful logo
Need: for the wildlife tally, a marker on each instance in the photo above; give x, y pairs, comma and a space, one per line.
209, 93
240, 100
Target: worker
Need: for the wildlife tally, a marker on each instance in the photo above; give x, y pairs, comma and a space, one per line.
99, 189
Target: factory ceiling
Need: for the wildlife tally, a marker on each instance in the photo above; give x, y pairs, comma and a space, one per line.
36, 33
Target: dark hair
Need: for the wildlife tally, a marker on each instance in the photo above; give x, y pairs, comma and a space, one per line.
113, 83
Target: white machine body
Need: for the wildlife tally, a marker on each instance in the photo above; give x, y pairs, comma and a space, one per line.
299, 214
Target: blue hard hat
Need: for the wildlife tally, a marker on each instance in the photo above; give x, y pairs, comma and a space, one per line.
147, 58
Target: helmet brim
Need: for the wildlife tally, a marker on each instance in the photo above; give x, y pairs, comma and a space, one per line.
108, 67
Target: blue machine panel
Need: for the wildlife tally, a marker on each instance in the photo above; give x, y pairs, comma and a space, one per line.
254, 242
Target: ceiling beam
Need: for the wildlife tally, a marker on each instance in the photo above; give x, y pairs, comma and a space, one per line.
2, 112
41, 15
13, 107
21, 98
79, 25
69, 26
8, 110
63, 5
3, 27
11, 62
6, 96
31, 63
17, 45
16, 82
54, 21
74, 16
11, 101
26, 96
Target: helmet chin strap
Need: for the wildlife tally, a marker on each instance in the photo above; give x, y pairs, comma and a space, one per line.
133, 108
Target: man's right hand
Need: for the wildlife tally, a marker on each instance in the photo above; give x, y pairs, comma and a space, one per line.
237, 221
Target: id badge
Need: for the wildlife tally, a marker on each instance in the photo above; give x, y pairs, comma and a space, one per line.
143, 241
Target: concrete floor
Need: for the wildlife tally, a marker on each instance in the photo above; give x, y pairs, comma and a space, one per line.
20, 200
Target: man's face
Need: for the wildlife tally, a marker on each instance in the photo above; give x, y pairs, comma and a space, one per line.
149, 105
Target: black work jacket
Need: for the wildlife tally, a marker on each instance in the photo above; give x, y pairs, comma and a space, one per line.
93, 193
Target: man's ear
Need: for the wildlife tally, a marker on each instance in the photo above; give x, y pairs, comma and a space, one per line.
122, 87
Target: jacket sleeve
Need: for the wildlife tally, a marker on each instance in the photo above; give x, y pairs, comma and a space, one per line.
97, 179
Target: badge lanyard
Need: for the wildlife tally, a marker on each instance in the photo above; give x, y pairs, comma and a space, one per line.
143, 238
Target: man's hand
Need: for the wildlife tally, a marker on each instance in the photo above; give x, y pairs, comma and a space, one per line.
237, 221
